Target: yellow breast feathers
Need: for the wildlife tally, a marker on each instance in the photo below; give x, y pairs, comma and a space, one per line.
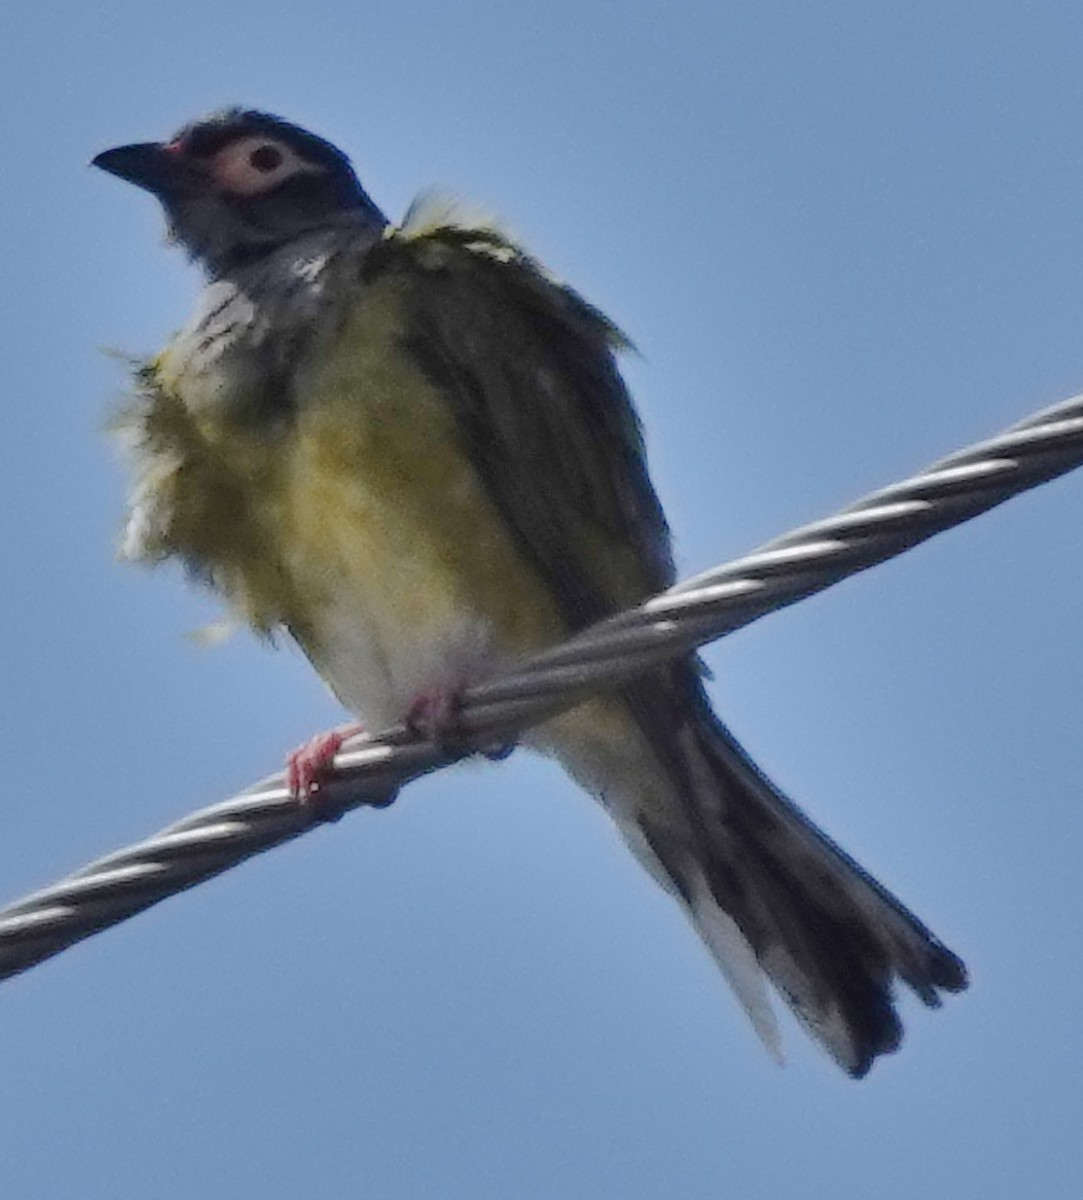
359, 524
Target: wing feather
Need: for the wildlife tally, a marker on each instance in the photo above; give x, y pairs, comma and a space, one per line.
530, 369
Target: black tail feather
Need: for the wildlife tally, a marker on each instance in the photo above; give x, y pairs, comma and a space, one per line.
831, 939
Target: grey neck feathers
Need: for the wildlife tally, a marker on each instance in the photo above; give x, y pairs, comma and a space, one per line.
226, 241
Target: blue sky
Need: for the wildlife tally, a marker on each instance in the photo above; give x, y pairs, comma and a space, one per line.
847, 238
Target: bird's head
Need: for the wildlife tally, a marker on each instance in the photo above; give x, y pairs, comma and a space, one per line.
239, 184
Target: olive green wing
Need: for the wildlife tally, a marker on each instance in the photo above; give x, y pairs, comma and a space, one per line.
530, 369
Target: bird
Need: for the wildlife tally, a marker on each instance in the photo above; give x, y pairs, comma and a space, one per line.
410, 450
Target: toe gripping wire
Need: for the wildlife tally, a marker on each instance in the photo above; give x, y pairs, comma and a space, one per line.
370, 772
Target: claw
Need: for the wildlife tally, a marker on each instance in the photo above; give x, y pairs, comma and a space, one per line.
309, 764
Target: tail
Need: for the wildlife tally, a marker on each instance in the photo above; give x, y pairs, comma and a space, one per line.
770, 894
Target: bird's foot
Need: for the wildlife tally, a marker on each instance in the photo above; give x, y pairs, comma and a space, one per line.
309, 764
436, 714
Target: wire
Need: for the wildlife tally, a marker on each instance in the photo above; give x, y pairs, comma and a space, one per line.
371, 772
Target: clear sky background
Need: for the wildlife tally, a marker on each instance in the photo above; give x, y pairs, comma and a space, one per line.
848, 238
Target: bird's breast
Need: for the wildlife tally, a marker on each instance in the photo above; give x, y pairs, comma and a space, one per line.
405, 575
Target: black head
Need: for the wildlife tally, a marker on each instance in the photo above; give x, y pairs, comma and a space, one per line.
240, 183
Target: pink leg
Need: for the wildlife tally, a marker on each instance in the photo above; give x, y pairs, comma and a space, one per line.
434, 713
310, 763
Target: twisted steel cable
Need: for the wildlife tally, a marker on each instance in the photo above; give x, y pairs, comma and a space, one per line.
371, 772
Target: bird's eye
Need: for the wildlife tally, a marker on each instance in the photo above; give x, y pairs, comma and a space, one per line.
253, 165
265, 158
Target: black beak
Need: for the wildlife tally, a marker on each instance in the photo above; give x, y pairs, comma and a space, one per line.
150, 165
